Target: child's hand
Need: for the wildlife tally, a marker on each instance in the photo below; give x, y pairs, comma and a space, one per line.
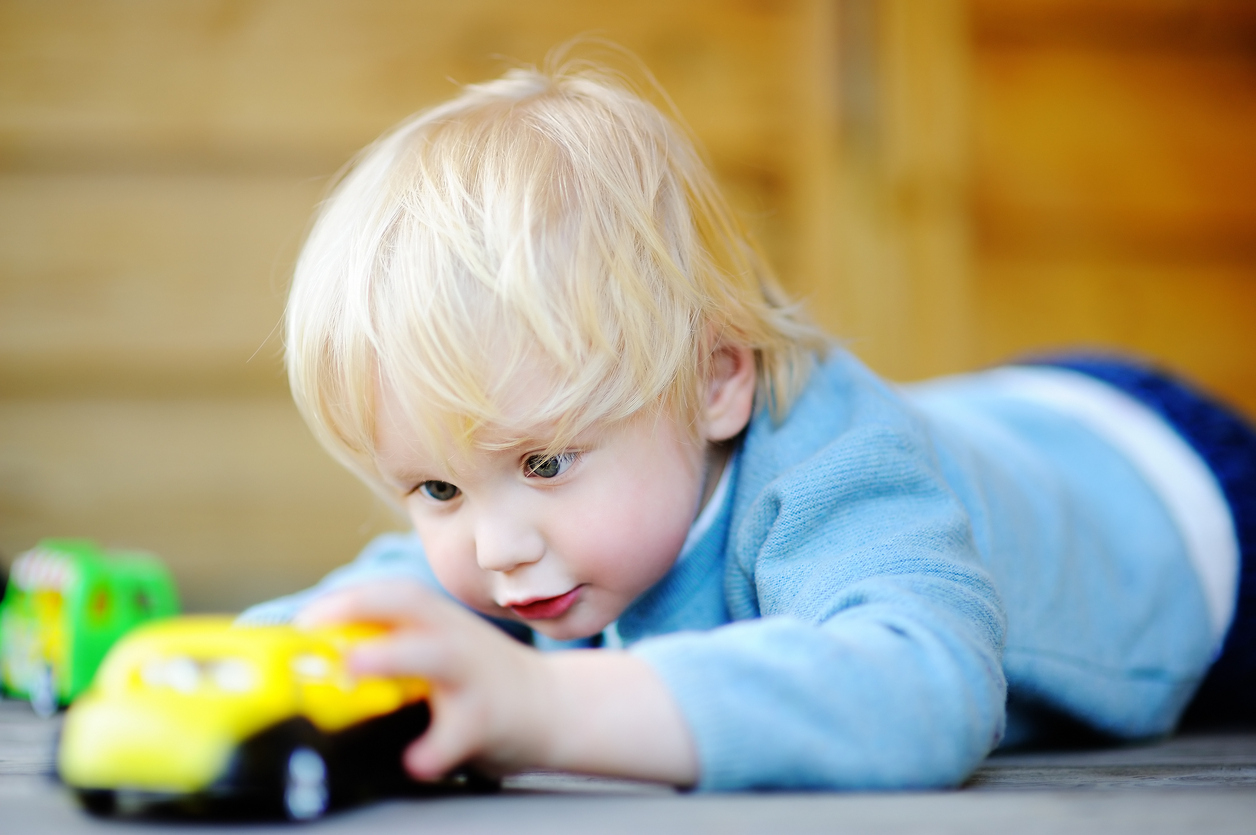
482, 679
504, 706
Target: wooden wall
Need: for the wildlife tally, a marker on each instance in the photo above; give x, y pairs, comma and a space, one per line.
1114, 168
159, 160
947, 183
1022, 176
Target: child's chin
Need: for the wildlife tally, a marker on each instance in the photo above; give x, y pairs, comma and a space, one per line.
560, 629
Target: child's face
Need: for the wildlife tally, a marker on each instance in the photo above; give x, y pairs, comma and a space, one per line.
562, 543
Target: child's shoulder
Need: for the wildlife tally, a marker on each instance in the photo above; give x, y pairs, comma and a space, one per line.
849, 434
843, 402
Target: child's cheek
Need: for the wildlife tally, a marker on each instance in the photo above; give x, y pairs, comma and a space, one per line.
631, 529
455, 567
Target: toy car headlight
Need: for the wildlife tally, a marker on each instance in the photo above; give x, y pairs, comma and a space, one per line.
310, 666
234, 675
178, 673
186, 675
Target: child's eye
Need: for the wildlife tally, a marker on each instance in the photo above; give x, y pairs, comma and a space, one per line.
441, 491
549, 466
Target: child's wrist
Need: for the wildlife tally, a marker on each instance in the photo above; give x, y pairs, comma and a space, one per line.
538, 734
606, 712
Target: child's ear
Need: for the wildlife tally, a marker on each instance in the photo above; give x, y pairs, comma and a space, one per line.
730, 386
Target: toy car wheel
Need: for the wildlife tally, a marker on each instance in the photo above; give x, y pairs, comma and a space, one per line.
305, 786
474, 781
99, 802
43, 693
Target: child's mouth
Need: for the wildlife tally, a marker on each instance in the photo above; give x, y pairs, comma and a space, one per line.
547, 608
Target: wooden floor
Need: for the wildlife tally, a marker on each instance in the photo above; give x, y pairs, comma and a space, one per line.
1190, 784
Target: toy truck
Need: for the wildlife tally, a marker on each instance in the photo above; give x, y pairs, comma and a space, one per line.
197, 714
66, 603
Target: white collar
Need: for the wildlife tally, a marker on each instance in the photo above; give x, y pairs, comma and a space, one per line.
706, 518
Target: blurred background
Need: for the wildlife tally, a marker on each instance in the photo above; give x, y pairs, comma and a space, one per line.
948, 183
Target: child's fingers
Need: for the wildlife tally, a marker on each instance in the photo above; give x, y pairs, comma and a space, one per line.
443, 748
396, 601
406, 653
330, 608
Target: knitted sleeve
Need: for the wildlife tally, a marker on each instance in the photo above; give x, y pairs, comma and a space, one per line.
866, 652
388, 556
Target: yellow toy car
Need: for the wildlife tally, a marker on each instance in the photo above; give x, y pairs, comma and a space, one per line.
201, 714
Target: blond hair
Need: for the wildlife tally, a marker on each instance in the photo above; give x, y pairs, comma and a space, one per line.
550, 217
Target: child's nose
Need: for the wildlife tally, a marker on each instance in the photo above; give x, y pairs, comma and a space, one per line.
503, 545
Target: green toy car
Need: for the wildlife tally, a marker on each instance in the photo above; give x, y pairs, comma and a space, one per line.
66, 603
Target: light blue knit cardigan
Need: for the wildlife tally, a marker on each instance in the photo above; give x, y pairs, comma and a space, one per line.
895, 579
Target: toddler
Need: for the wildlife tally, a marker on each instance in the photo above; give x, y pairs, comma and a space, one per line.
528, 317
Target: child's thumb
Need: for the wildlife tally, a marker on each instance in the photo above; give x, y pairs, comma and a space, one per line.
439, 751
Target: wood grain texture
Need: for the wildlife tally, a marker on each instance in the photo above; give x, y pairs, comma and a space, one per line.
158, 166
1195, 320
1112, 181
292, 87
231, 491
304, 83
164, 284
902, 296
946, 184
1144, 154
1184, 784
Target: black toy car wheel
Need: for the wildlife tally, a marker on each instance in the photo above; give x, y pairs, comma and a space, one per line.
99, 802
306, 793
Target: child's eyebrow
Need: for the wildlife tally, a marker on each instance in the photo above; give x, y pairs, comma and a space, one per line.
408, 473
525, 440
400, 481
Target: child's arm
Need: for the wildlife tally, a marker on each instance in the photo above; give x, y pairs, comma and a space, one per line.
864, 653
506, 706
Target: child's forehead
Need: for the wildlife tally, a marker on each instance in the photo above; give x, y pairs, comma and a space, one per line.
405, 430
508, 390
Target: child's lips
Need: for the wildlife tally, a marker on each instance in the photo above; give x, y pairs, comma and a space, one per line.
546, 608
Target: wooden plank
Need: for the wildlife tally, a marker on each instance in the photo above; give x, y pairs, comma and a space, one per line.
146, 103
301, 84
146, 283
902, 198
1195, 319
1186, 784
1141, 153
233, 492
1112, 181
158, 163
798, 235
1182, 25
151, 283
